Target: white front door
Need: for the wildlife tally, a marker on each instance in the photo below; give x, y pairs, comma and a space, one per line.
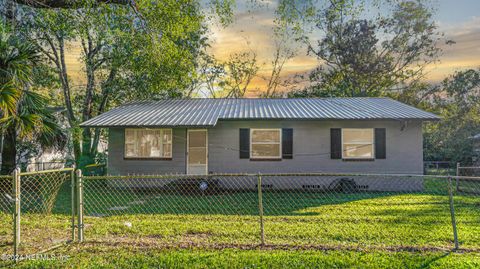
197, 152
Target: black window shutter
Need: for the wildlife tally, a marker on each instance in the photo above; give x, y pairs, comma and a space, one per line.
287, 143
244, 143
380, 143
335, 143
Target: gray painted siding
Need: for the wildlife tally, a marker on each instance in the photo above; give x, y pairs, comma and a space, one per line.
311, 146
312, 139
117, 165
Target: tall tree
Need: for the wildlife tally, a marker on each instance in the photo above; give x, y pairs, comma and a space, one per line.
16, 60
226, 79
283, 50
222, 9
125, 55
241, 69
69, 3
24, 114
33, 121
361, 55
457, 101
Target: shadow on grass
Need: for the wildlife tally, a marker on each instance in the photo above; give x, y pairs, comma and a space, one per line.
102, 200
429, 262
246, 203
243, 203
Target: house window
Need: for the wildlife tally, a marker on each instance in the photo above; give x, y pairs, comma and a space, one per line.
148, 143
357, 143
265, 144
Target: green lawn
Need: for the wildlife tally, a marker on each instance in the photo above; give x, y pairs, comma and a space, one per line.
354, 230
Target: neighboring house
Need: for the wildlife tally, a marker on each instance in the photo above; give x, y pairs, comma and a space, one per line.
48, 159
54, 159
202, 136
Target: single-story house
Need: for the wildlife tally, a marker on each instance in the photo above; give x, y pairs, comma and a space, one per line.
205, 136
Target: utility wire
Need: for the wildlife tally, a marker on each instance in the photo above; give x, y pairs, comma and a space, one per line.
295, 154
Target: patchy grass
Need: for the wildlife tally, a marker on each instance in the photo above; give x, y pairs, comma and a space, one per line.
97, 256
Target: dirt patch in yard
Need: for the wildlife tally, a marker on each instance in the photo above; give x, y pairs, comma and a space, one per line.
194, 244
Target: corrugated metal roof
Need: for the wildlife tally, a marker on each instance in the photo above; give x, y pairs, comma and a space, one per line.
206, 112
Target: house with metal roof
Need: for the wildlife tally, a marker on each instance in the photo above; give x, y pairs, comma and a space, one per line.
204, 136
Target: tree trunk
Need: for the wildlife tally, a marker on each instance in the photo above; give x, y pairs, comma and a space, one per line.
62, 73
9, 153
106, 89
88, 101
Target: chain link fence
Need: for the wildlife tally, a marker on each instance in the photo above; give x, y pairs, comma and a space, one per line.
302, 210
467, 184
6, 194
438, 168
6, 209
339, 211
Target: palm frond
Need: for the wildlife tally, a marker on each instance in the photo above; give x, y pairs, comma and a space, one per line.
17, 58
36, 121
9, 97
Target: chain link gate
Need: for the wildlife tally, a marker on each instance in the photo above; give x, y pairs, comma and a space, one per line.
41, 205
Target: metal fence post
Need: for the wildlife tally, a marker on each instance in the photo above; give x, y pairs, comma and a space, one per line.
16, 213
260, 209
457, 186
79, 197
73, 200
452, 213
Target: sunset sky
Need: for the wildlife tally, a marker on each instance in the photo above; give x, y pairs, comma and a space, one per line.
252, 30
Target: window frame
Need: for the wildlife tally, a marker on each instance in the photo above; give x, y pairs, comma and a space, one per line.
358, 158
279, 157
146, 157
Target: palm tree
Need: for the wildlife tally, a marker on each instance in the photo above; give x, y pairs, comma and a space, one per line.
24, 115
33, 120
16, 60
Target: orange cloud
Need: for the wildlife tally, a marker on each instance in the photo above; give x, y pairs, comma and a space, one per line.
464, 54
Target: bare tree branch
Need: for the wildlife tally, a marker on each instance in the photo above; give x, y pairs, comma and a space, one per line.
68, 3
